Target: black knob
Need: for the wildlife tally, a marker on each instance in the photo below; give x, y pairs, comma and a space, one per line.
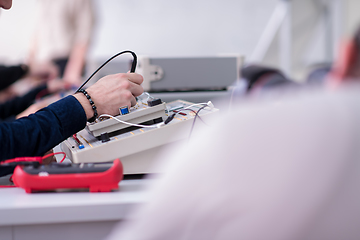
154, 102
105, 137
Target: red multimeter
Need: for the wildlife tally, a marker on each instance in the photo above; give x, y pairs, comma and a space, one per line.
98, 177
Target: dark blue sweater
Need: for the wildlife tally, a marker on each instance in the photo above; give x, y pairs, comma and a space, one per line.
38, 133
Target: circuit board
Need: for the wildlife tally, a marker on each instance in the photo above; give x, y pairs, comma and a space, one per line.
140, 113
136, 147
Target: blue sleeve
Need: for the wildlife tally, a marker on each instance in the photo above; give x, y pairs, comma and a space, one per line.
36, 134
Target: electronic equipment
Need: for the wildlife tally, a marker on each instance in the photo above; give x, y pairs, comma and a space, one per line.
136, 134
193, 79
188, 73
98, 177
137, 147
142, 112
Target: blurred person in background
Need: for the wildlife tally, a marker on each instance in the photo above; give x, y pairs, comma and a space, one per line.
62, 37
11, 106
10, 76
13, 103
345, 68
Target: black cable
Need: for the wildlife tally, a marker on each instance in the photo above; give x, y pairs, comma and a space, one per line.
133, 66
171, 117
201, 119
189, 109
196, 115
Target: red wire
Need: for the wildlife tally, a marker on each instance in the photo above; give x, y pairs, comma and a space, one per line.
53, 154
33, 159
7, 186
63, 156
24, 159
29, 159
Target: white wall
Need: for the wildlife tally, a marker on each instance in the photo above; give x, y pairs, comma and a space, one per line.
183, 28
352, 16
156, 28
16, 27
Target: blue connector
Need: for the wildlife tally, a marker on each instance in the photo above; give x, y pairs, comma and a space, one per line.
124, 110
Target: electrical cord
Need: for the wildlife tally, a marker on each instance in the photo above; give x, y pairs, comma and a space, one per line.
133, 66
149, 96
132, 124
208, 104
196, 115
191, 110
34, 161
171, 117
23, 160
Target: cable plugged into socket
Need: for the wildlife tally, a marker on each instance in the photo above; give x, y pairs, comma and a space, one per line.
210, 104
171, 117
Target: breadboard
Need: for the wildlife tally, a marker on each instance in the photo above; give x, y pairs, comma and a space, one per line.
137, 149
140, 113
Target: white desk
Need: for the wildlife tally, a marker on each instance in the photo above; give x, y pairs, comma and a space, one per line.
67, 215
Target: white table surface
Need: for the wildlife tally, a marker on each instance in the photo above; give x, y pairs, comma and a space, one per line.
20, 208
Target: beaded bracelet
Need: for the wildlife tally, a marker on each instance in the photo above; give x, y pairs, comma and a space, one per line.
91, 103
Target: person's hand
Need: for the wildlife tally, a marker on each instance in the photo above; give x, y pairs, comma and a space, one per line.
73, 81
57, 85
112, 92
43, 71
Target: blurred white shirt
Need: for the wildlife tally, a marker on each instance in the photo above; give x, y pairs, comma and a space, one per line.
286, 168
61, 24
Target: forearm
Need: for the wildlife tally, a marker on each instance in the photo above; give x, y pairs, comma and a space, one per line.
75, 65
40, 132
36, 134
89, 112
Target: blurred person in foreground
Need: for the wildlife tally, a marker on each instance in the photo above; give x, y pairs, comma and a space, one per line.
38, 133
284, 168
